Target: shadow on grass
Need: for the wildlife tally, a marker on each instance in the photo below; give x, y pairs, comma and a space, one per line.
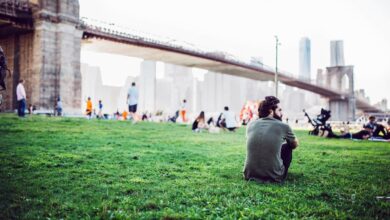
295, 177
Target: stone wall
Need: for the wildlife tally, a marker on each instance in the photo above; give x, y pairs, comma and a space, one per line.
47, 58
8, 45
18, 50
57, 44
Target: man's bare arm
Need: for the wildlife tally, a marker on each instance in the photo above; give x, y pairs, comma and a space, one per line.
293, 144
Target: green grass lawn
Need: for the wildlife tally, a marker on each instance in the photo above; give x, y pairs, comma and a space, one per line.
53, 168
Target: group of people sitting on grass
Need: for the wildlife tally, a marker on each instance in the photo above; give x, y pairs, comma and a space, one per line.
225, 121
371, 131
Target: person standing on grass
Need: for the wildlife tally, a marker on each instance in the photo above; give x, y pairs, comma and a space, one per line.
183, 110
89, 108
100, 113
21, 98
59, 106
268, 157
124, 115
132, 101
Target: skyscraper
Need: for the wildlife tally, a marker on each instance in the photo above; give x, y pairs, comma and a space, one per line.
304, 59
337, 53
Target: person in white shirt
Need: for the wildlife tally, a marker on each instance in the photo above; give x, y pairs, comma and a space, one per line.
132, 101
230, 119
183, 110
21, 97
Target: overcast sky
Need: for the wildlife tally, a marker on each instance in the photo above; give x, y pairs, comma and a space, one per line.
247, 28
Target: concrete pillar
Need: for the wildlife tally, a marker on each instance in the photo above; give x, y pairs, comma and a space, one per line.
47, 57
147, 86
339, 109
56, 56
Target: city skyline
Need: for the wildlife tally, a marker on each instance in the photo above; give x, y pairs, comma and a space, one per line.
362, 25
210, 95
337, 53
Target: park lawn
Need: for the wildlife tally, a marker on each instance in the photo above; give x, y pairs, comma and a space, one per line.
69, 168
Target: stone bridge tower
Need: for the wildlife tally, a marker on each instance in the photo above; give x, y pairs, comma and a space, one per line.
341, 78
46, 55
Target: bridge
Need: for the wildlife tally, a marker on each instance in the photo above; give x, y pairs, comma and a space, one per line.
45, 40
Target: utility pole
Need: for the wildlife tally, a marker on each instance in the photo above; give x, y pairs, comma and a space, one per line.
276, 66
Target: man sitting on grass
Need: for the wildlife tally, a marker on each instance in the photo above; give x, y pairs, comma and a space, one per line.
377, 130
268, 159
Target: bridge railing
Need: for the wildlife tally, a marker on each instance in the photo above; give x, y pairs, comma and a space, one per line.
127, 32
11, 7
120, 30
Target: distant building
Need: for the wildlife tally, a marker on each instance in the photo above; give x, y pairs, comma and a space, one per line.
292, 101
304, 59
219, 90
361, 94
164, 91
382, 105
209, 92
113, 97
91, 79
183, 84
337, 53
165, 94
147, 86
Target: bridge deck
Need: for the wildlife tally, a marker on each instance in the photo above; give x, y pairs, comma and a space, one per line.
100, 41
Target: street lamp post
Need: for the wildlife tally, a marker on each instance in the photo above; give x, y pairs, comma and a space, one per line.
276, 66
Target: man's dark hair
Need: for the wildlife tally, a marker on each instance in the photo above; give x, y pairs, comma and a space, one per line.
226, 108
268, 104
133, 83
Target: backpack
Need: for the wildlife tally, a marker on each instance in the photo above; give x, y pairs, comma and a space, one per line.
3, 69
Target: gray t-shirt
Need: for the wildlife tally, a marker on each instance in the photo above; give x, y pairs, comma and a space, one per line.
264, 142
